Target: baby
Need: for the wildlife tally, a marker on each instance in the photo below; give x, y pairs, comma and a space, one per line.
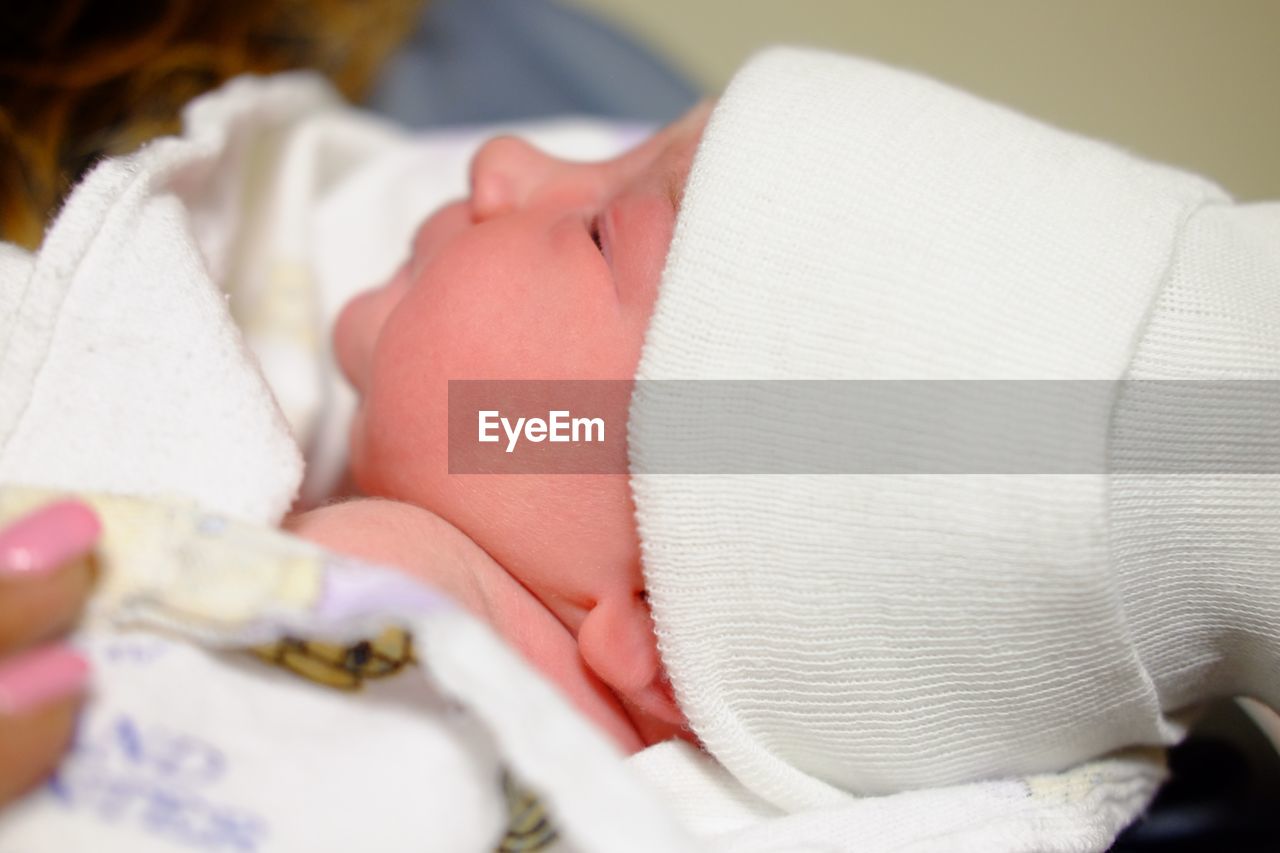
831, 219
549, 270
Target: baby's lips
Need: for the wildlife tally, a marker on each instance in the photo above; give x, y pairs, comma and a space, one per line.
355, 334
345, 340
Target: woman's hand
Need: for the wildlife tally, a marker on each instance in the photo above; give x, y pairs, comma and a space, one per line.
43, 584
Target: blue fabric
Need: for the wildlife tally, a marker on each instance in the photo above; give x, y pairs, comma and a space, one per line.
474, 61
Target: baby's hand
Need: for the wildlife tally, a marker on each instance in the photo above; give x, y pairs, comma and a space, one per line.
43, 585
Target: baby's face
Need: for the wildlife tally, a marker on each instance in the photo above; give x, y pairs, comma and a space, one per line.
548, 271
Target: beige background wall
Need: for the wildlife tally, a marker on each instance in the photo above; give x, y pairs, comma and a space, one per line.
1192, 82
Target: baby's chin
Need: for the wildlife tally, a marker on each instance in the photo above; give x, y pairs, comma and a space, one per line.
357, 457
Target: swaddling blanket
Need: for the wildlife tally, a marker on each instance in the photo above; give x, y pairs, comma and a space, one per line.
169, 343
190, 748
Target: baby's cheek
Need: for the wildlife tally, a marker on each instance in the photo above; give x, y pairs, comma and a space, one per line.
400, 443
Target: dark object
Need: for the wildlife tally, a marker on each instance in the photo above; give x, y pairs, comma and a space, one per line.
85, 79
478, 61
1223, 792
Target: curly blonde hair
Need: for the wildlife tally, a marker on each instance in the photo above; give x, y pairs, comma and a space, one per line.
82, 79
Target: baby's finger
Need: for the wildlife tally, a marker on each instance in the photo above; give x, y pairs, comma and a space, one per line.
43, 580
39, 696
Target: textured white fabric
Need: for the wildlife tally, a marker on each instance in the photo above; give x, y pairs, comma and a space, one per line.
1081, 809
829, 635
1198, 557
119, 309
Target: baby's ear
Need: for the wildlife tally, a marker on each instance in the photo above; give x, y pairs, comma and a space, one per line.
617, 643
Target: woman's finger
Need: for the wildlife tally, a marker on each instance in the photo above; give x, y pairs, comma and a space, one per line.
39, 695
43, 576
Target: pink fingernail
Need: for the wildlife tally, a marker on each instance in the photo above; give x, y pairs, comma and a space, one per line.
42, 541
41, 676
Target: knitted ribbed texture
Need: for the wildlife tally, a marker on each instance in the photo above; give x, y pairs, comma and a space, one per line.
827, 634
1198, 557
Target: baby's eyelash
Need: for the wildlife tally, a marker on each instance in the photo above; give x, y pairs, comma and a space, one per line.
594, 228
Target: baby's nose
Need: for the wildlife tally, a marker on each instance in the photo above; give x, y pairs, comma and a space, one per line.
505, 172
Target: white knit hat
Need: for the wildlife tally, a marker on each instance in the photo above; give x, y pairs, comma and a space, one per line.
841, 633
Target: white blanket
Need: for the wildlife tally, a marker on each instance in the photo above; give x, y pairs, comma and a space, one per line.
169, 341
